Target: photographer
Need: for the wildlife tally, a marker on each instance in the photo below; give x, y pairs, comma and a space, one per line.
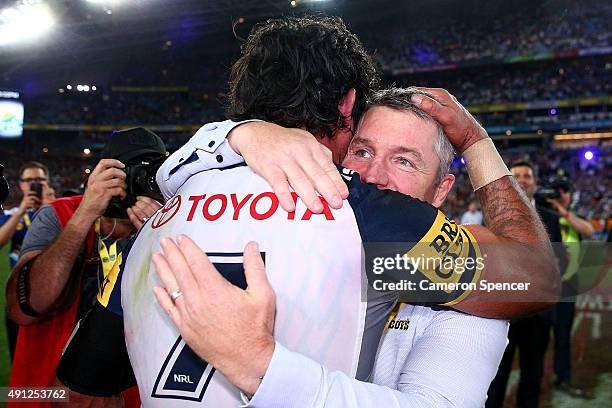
530, 335
573, 230
71, 249
571, 224
14, 223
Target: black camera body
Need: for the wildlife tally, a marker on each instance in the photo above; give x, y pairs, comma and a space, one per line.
552, 190
544, 193
4, 187
142, 152
140, 181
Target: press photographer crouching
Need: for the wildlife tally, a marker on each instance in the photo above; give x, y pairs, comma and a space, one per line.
72, 252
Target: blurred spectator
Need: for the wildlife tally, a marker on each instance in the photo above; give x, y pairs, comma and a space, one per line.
490, 32
472, 216
573, 230
14, 223
537, 81
529, 335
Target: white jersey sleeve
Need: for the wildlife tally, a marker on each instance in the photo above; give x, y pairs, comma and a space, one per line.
207, 149
430, 358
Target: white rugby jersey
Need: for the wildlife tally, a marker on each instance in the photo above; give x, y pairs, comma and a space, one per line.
314, 263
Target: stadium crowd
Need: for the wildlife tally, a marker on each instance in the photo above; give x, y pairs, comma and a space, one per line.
535, 28
592, 185
591, 196
149, 100
541, 81
508, 83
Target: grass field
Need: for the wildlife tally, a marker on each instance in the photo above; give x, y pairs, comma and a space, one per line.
4, 355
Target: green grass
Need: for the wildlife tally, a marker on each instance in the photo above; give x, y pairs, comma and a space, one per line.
5, 364
4, 354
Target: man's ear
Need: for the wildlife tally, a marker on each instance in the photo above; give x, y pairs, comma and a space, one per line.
345, 106
443, 189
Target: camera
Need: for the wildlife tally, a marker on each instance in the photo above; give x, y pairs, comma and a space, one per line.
4, 187
543, 194
142, 152
552, 190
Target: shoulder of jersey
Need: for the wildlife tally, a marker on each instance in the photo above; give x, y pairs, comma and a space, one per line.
359, 190
385, 215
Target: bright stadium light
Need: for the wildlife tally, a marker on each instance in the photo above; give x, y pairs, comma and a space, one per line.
24, 22
589, 155
104, 2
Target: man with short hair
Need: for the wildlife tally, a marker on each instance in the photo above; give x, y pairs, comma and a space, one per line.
281, 385
472, 215
268, 82
529, 335
14, 223
573, 230
396, 146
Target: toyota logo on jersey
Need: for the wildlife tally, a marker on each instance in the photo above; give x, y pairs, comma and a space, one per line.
168, 212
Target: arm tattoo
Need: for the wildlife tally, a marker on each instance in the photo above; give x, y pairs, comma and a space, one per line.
508, 213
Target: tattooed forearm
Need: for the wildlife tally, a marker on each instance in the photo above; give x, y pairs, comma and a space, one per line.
517, 249
508, 212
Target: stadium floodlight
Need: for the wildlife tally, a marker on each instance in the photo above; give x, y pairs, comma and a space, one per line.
80, 88
86, 88
104, 2
24, 21
589, 155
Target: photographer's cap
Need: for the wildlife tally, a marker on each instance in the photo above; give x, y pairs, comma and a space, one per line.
126, 145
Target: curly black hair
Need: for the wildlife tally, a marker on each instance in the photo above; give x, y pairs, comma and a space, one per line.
294, 71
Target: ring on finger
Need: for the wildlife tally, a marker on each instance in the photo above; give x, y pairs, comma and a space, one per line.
176, 294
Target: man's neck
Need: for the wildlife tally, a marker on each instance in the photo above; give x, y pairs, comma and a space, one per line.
338, 144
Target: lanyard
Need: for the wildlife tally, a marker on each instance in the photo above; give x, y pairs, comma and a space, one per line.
108, 256
26, 219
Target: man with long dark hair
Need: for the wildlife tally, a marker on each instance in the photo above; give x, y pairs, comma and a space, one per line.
315, 69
